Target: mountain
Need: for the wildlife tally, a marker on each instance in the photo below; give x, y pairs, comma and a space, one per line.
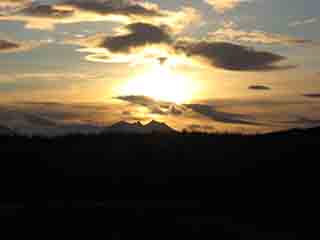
155, 126
139, 128
44, 127
4, 131
125, 127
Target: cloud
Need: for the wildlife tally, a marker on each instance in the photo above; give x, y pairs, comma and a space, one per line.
14, 1
7, 46
106, 7
12, 6
259, 88
312, 95
139, 34
304, 121
47, 11
40, 16
230, 56
35, 84
231, 33
137, 11
46, 16
155, 107
199, 128
207, 111
223, 5
141, 42
134, 43
303, 22
218, 116
140, 100
52, 118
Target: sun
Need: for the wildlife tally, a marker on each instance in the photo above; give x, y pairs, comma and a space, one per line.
161, 83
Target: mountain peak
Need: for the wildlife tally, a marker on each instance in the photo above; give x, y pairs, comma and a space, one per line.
138, 127
138, 124
155, 126
153, 122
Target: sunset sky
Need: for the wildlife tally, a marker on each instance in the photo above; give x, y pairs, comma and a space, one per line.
204, 65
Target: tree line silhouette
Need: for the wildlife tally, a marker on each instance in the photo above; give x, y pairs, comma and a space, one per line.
186, 185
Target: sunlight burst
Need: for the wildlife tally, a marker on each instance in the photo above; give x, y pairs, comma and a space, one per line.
161, 83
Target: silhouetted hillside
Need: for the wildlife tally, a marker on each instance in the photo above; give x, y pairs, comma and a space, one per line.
4, 131
189, 184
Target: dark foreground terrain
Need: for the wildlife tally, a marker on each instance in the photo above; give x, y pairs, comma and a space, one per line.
157, 186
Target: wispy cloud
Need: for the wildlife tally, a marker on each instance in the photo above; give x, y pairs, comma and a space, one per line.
230, 32
8, 4
8, 7
312, 95
28, 83
223, 117
207, 111
14, 2
223, 5
303, 22
155, 106
259, 87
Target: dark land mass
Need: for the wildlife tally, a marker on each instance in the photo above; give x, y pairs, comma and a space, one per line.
163, 186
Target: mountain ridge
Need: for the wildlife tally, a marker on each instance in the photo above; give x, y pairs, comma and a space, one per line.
123, 127
138, 128
5, 131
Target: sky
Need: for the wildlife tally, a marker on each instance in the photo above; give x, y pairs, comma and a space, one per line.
203, 65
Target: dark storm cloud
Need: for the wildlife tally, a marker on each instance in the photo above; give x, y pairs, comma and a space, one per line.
259, 87
140, 34
231, 56
312, 95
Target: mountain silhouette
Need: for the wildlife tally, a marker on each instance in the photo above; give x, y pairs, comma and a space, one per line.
139, 128
155, 126
89, 173
4, 131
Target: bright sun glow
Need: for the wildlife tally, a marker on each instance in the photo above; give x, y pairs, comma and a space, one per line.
160, 83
